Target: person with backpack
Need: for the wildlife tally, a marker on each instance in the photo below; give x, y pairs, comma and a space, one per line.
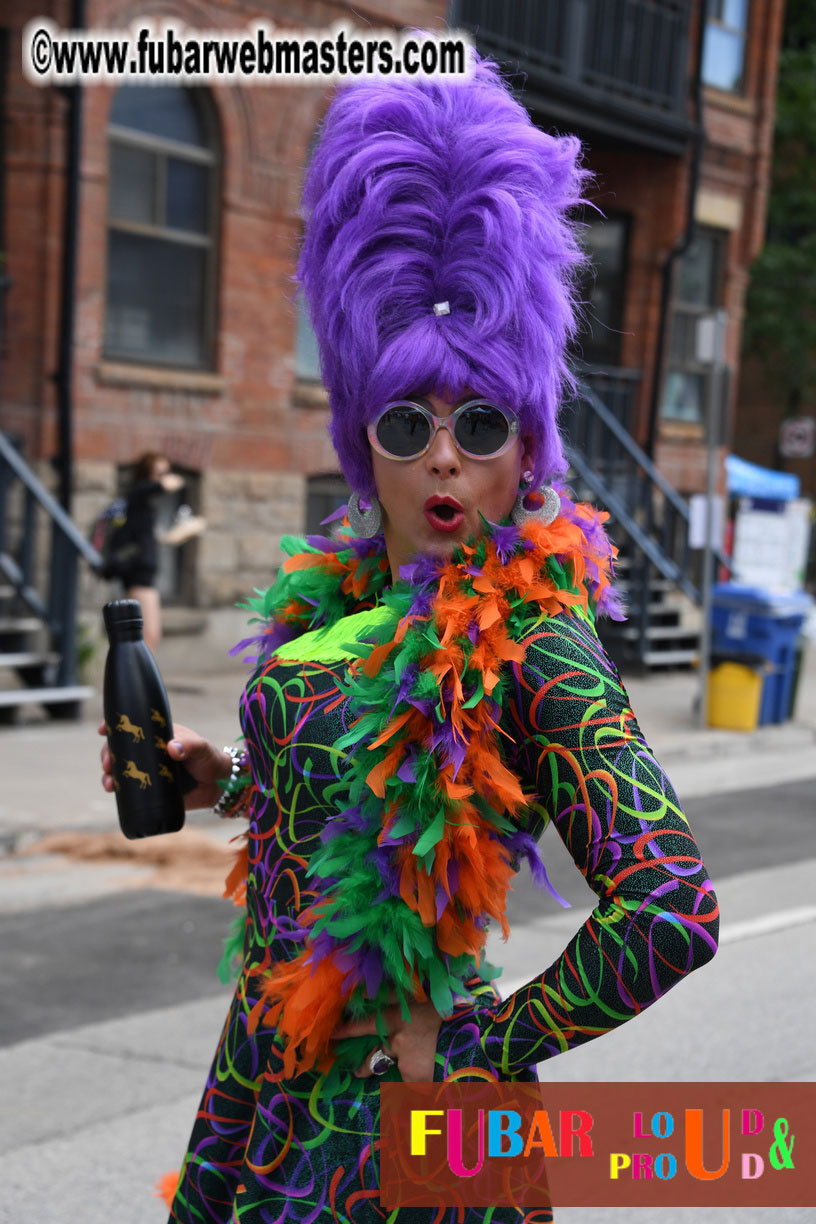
132, 548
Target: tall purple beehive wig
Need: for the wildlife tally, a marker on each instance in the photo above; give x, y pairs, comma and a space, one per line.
433, 191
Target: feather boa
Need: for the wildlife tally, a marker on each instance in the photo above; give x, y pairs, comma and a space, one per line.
430, 824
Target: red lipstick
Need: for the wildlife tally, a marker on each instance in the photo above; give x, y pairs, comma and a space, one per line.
444, 514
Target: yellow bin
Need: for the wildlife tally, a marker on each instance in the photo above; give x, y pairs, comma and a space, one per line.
734, 695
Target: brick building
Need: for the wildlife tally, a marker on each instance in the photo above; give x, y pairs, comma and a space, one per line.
187, 337
761, 412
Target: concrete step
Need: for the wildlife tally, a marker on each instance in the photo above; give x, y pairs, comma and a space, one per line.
661, 633
673, 607
657, 586
673, 612
28, 658
19, 624
671, 658
52, 698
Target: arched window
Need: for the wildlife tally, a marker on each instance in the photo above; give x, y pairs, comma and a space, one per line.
163, 191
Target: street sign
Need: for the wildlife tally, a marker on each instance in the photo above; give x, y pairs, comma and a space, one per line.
797, 437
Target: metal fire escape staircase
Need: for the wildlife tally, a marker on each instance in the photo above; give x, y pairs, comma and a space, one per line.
38, 624
649, 522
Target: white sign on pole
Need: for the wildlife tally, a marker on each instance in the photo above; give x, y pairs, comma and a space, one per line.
709, 340
771, 547
698, 517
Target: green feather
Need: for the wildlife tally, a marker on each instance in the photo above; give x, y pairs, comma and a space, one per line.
233, 954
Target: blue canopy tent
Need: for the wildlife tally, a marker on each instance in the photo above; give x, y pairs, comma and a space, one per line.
750, 480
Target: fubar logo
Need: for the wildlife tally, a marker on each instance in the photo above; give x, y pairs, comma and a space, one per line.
592, 1145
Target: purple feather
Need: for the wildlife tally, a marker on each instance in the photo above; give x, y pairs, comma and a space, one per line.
421, 571
381, 858
347, 960
523, 844
405, 685
452, 750
363, 548
506, 540
267, 640
372, 969
406, 771
334, 517
326, 545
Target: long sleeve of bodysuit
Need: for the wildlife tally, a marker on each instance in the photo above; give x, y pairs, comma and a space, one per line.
577, 745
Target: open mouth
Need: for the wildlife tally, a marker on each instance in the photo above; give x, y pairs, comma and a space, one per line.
444, 514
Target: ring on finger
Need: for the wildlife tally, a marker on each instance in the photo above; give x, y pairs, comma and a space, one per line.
379, 1061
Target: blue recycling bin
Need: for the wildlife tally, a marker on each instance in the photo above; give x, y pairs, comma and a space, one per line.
747, 622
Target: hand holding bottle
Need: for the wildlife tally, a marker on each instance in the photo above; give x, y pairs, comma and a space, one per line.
202, 760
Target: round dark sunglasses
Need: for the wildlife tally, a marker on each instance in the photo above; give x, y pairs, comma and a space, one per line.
479, 428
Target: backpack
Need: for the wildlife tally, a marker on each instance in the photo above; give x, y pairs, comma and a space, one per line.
109, 538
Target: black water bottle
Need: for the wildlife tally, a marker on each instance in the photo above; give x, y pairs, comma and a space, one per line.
149, 787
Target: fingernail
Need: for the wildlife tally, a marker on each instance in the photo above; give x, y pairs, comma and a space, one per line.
179, 747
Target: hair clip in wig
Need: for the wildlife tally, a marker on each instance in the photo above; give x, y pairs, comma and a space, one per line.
441, 308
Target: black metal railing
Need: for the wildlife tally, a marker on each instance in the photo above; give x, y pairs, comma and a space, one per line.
616, 388
628, 54
649, 517
23, 498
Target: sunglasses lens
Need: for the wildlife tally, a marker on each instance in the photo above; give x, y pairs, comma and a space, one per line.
482, 429
403, 431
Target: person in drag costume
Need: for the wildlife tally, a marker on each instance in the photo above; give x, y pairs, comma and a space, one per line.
429, 691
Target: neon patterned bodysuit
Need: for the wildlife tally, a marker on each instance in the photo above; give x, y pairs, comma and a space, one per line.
267, 1147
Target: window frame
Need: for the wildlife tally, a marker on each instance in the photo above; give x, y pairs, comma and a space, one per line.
717, 23
621, 284
330, 487
162, 148
693, 311
303, 327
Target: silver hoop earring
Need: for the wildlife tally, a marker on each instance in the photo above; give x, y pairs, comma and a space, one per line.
546, 513
368, 524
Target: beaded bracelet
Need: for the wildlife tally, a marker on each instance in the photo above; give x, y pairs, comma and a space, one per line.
234, 795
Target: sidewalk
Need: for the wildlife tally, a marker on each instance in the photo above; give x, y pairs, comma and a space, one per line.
711, 760
52, 781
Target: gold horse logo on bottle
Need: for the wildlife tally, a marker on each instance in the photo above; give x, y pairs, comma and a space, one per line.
138, 775
124, 724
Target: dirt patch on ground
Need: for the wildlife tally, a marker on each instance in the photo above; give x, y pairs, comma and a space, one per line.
187, 861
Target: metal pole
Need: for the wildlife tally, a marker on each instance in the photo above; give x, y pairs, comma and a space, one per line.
714, 406
70, 239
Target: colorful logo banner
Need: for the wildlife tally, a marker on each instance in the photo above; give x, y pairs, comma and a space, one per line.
537, 1146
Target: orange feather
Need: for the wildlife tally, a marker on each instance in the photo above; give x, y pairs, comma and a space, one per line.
166, 1187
